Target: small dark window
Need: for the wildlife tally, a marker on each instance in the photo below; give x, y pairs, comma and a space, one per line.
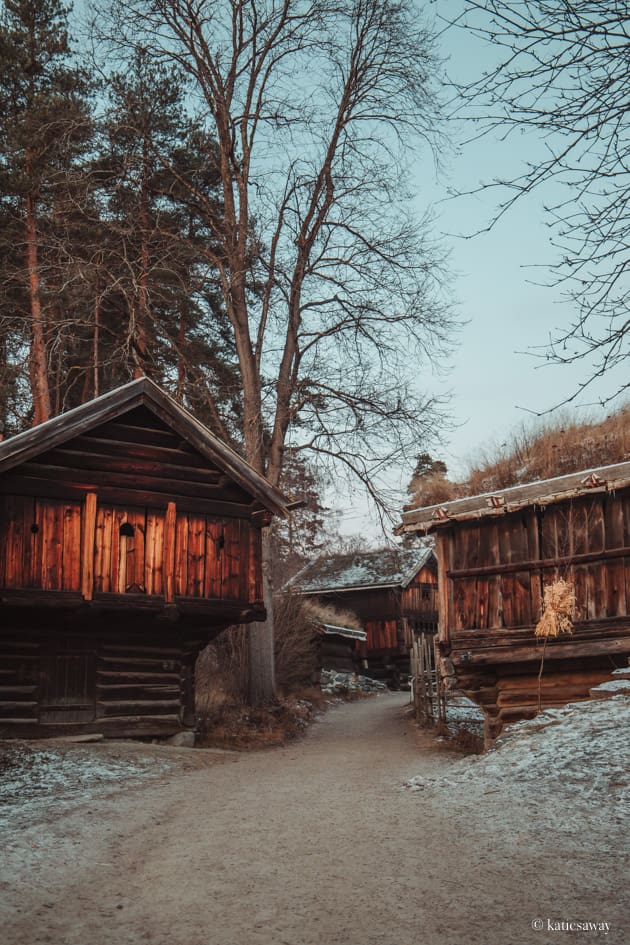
34, 528
126, 530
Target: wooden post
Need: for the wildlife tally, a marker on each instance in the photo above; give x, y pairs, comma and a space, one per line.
169, 552
442, 549
88, 533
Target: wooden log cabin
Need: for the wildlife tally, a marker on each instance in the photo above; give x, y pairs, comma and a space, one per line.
496, 554
337, 647
130, 536
393, 592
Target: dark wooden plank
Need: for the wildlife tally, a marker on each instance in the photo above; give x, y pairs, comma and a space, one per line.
245, 590
616, 600
103, 549
185, 456
15, 538
128, 460
545, 564
52, 548
138, 482
215, 558
181, 553
138, 432
29, 486
32, 545
195, 569
521, 591
88, 546
566, 647
154, 551
170, 523
231, 571
613, 522
71, 553
548, 534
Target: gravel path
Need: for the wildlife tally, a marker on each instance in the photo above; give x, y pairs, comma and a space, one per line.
314, 843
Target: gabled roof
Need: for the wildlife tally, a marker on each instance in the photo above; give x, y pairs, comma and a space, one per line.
542, 493
141, 393
383, 568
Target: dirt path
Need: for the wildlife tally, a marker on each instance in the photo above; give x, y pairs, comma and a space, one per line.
313, 843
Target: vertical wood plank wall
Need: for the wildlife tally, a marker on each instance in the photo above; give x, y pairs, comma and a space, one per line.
56, 545
512, 600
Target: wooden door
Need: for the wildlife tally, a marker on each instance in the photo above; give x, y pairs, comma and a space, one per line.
68, 683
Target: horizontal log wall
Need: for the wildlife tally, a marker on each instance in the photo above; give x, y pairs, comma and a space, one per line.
19, 680
142, 685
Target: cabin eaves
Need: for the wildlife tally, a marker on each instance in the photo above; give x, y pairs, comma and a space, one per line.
498, 503
330, 630
141, 392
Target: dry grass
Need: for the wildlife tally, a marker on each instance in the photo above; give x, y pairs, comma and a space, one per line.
224, 718
553, 449
542, 451
559, 605
296, 620
463, 740
239, 728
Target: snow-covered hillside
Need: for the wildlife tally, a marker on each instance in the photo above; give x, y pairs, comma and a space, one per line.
566, 764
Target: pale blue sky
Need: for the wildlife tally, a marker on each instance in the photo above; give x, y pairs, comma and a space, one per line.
493, 383
494, 276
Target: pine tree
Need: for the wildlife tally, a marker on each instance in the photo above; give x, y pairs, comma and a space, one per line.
43, 138
162, 314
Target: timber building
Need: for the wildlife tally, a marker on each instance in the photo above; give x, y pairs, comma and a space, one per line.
130, 536
392, 591
496, 555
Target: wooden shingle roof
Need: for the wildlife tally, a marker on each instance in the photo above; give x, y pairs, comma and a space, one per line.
542, 493
141, 393
382, 568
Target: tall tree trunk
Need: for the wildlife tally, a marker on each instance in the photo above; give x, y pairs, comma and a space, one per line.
181, 362
140, 339
38, 366
262, 675
95, 344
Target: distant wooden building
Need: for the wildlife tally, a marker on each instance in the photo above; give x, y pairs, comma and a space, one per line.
338, 647
391, 591
496, 553
130, 536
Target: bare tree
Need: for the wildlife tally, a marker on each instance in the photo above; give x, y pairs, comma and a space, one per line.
560, 68
331, 287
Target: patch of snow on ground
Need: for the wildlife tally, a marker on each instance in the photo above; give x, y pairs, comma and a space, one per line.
572, 759
462, 714
31, 777
615, 685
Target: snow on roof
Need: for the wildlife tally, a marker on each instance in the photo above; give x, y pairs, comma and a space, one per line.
329, 629
384, 567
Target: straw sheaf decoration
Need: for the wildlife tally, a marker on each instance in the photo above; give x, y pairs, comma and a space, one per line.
559, 606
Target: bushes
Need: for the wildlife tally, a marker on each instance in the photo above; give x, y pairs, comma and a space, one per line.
222, 667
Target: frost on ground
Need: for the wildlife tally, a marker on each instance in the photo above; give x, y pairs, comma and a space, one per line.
567, 764
32, 776
463, 715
